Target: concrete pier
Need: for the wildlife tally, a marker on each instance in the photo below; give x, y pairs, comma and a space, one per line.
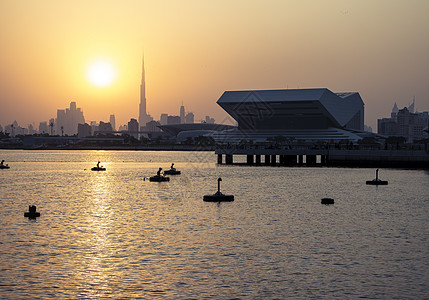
273, 160
310, 160
327, 157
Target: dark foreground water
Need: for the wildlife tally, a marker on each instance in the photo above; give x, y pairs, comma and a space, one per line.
113, 235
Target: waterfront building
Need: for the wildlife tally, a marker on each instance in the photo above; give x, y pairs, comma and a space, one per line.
404, 123
133, 128
84, 130
299, 114
68, 119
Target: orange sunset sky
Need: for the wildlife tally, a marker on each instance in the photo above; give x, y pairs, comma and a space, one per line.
195, 50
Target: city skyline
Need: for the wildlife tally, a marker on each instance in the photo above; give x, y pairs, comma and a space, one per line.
196, 50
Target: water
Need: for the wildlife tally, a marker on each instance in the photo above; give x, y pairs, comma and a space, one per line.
114, 235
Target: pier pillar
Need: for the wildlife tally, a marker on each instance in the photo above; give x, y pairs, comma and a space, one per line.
250, 159
282, 160
300, 160
323, 160
258, 159
290, 160
228, 159
310, 160
219, 159
267, 159
273, 160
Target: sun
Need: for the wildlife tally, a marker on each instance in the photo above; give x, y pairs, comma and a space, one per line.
101, 73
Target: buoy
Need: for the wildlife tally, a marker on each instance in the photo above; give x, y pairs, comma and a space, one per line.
327, 201
218, 196
32, 214
377, 181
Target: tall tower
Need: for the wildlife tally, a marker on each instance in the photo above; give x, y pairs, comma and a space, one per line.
142, 107
182, 114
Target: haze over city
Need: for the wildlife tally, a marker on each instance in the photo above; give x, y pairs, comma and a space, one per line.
195, 50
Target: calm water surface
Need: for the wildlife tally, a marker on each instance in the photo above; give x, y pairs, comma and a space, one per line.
115, 235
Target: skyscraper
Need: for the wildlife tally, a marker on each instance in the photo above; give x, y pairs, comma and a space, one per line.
113, 122
143, 116
182, 114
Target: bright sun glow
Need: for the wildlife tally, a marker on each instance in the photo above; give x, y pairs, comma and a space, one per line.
101, 73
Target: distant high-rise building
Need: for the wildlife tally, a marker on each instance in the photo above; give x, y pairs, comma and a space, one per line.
152, 126
68, 119
173, 120
31, 129
182, 114
133, 128
83, 130
104, 127
405, 123
163, 119
189, 118
143, 116
43, 127
209, 120
113, 122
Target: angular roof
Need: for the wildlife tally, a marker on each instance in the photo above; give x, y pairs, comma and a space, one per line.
339, 107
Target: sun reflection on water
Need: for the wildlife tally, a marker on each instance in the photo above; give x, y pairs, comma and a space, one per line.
98, 245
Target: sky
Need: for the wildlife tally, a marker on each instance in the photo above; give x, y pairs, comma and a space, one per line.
194, 50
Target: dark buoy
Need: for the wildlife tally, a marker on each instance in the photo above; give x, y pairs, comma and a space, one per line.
377, 181
98, 168
327, 201
218, 196
158, 177
32, 214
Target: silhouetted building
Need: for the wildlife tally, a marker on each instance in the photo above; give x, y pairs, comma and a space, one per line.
298, 114
14, 129
173, 120
112, 122
84, 130
143, 116
31, 129
43, 127
182, 114
163, 119
152, 126
404, 123
104, 127
189, 119
209, 120
68, 119
133, 128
